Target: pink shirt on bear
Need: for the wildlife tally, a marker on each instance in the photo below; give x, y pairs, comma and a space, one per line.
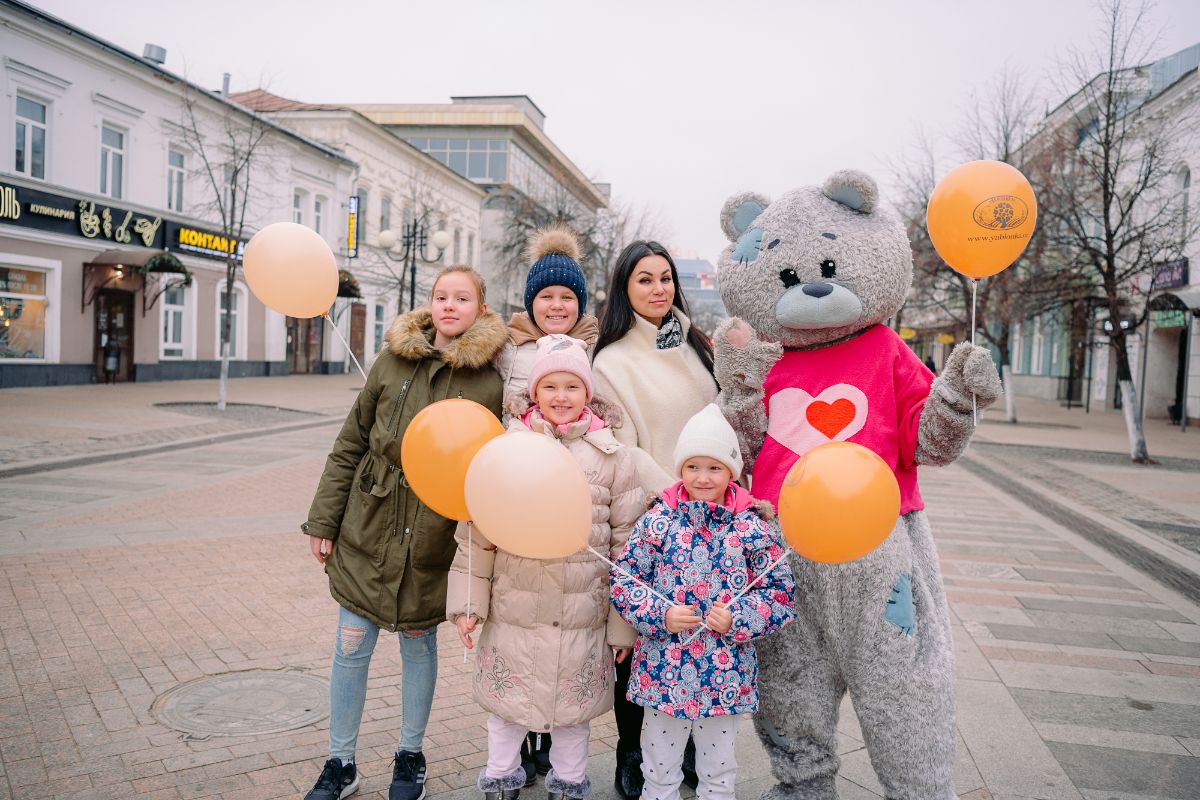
869, 390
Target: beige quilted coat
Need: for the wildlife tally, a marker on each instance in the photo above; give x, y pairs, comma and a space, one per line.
544, 657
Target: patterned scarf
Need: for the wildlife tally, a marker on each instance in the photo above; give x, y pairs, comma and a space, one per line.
670, 333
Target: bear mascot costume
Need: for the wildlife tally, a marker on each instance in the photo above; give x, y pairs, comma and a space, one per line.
806, 358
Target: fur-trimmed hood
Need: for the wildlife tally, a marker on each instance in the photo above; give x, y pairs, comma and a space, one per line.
411, 336
517, 403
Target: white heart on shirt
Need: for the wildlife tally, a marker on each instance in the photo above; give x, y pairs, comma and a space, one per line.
800, 422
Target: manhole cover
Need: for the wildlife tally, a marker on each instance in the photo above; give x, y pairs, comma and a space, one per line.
244, 703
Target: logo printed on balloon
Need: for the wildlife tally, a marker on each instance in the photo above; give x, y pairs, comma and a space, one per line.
1003, 212
800, 422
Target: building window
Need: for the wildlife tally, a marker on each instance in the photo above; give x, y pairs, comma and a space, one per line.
175, 175
30, 155
173, 300
22, 313
380, 312
471, 249
457, 247
297, 210
237, 328
318, 209
477, 159
112, 161
385, 213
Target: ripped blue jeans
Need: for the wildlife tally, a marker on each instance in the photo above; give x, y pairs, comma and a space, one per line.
352, 650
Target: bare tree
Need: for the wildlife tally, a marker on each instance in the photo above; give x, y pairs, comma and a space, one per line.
420, 196
231, 146
1108, 158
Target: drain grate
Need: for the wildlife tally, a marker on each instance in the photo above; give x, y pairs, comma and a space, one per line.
244, 703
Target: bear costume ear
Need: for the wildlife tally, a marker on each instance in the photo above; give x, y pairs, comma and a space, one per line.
740, 211
853, 189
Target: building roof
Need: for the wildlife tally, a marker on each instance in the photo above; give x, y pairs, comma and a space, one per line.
694, 266
49, 20
264, 102
476, 113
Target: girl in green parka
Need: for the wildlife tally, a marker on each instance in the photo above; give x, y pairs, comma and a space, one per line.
386, 553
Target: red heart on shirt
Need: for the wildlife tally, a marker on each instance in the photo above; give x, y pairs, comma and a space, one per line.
830, 418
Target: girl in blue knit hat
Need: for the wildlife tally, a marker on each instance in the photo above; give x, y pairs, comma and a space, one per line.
555, 303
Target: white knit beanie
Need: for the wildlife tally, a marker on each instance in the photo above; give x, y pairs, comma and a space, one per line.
708, 434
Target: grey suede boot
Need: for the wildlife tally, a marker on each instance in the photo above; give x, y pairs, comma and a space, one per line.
558, 789
505, 788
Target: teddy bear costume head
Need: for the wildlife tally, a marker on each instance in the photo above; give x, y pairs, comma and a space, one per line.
816, 265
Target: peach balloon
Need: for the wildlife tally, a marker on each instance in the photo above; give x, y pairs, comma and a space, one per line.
291, 269
438, 446
838, 503
529, 497
980, 217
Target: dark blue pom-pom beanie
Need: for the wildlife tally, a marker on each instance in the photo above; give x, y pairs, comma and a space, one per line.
555, 253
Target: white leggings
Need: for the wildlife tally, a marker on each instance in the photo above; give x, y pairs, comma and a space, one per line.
663, 740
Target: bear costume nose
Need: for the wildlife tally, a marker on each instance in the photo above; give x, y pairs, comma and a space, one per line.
817, 289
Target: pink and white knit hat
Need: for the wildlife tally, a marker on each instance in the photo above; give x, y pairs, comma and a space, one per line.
560, 353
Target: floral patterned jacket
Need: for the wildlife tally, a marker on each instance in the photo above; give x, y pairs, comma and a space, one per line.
698, 554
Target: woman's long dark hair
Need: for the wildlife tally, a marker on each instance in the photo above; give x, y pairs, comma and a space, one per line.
618, 313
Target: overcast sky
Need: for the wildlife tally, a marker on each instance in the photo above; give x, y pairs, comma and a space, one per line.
676, 104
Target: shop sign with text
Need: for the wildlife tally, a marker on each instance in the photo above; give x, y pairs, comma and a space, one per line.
69, 216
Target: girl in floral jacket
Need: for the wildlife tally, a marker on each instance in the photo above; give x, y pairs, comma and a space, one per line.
700, 545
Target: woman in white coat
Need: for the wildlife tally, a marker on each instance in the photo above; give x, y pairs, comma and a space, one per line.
658, 369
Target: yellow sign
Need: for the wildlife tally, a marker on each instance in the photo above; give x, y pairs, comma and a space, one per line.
908, 334
206, 242
945, 338
352, 227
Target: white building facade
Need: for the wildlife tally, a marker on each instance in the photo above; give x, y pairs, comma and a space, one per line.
112, 260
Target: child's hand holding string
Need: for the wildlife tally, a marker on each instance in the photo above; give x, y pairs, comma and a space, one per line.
719, 619
466, 625
681, 618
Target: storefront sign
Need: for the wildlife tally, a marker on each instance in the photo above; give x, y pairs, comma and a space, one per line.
199, 242
30, 208
22, 281
1171, 273
352, 228
1169, 318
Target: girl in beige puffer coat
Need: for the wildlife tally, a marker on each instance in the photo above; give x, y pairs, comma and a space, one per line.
545, 657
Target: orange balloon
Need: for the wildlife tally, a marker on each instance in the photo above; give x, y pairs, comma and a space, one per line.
529, 496
980, 217
291, 269
437, 448
838, 503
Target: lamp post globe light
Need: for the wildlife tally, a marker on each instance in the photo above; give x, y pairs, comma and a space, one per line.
409, 247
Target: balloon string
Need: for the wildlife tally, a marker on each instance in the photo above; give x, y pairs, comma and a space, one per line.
626, 573
974, 406
346, 345
786, 552
470, 579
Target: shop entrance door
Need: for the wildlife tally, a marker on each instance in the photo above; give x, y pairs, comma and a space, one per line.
113, 349
304, 344
358, 330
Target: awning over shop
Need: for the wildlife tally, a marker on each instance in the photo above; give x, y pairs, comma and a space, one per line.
1188, 296
152, 265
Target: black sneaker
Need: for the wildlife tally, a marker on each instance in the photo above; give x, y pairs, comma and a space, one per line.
337, 780
408, 776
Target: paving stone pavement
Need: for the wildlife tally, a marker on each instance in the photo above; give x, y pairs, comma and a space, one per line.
1078, 676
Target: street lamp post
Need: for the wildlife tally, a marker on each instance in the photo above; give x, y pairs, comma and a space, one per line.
413, 240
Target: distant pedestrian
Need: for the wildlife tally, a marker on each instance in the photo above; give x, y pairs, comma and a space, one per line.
386, 553
932, 367
545, 660
709, 547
